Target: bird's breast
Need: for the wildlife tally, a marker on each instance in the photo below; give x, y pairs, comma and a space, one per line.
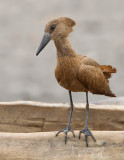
66, 74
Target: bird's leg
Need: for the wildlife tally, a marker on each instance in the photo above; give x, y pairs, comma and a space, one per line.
86, 131
66, 130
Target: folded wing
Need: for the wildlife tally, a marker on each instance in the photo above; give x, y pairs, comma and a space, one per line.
92, 76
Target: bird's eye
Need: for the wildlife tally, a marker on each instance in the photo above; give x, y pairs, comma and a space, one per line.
53, 27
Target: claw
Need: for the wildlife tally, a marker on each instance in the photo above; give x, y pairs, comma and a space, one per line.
66, 130
72, 133
59, 132
87, 133
86, 141
65, 137
79, 134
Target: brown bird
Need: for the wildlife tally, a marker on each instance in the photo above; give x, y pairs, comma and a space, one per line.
76, 73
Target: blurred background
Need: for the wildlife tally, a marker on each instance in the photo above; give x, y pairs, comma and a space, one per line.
99, 34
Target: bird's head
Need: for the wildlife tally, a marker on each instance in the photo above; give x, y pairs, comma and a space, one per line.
57, 28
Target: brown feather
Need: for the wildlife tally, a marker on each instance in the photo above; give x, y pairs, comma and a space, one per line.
94, 80
108, 70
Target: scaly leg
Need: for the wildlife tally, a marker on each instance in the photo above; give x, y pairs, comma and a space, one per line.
86, 131
68, 129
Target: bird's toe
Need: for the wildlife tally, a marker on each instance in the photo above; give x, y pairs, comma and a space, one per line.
87, 133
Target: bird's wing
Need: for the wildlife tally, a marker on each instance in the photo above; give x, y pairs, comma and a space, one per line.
106, 69
93, 79
88, 61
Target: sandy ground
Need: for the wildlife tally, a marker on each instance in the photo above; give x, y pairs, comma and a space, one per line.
99, 34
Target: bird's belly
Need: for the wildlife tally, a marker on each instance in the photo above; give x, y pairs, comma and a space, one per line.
73, 85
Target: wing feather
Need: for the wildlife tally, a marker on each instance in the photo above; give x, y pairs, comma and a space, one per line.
94, 80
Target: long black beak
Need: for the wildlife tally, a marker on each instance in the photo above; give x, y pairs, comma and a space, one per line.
46, 38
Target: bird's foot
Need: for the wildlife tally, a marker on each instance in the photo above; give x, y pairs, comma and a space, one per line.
87, 133
66, 130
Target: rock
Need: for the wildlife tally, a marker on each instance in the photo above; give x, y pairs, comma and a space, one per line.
45, 146
36, 117
41, 145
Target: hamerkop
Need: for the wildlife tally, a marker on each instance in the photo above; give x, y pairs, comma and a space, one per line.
76, 73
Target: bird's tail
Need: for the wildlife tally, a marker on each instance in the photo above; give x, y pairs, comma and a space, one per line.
107, 70
107, 92
111, 95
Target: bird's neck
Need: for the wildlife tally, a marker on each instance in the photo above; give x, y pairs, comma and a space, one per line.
64, 48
